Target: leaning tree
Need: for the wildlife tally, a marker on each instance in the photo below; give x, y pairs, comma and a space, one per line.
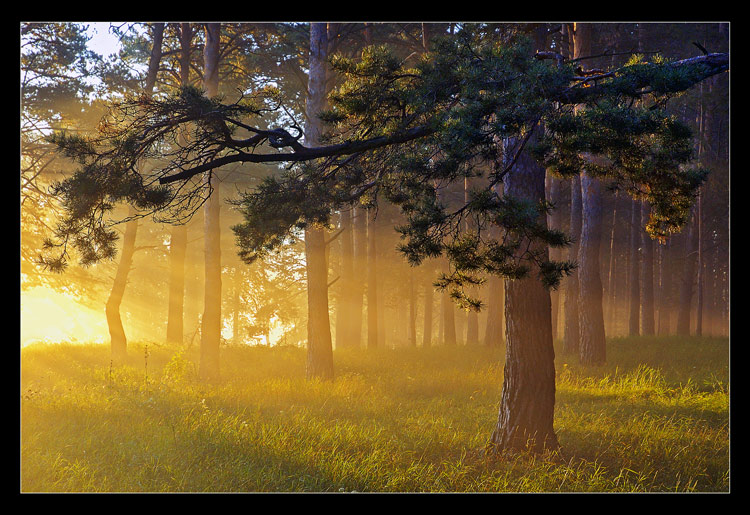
405, 131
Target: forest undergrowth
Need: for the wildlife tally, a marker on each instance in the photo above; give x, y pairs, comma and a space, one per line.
654, 419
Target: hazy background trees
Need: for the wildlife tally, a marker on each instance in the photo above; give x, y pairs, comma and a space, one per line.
687, 273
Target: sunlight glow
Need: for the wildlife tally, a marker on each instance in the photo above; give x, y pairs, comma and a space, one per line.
51, 317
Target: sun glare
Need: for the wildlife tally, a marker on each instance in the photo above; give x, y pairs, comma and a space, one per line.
51, 317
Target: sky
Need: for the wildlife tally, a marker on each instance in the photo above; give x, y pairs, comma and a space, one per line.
102, 41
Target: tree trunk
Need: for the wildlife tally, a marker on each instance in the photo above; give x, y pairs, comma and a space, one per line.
449, 313
319, 346
118, 339
472, 317
427, 332
611, 279
360, 272
592, 350
525, 419
701, 265
211, 320
688, 278
647, 298
178, 237
665, 288
346, 298
175, 313
554, 221
571, 338
591, 316
372, 281
412, 309
236, 284
493, 334
635, 287
495, 328
319, 349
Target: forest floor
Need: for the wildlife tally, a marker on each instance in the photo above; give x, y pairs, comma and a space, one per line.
654, 419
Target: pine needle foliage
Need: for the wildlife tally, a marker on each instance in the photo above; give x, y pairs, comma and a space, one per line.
405, 131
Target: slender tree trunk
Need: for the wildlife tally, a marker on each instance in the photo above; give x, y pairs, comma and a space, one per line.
611, 279
688, 278
236, 285
665, 288
412, 309
554, 221
472, 317
118, 339
346, 298
706, 131
635, 286
372, 281
178, 236
449, 313
592, 350
459, 317
571, 340
427, 331
175, 313
211, 320
360, 271
495, 328
319, 346
647, 299
591, 316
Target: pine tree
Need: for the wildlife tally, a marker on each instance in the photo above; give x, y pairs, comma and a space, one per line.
404, 132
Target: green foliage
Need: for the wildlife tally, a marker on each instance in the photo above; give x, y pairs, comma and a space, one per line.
465, 110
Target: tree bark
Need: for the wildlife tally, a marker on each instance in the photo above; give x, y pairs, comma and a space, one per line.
372, 281
554, 221
647, 276
211, 321
178, 236
360, 273
525, 419
571, 338
319, 346
346, 298
412, 309
449, 314
590, 313
236, 285
592, 349
493, 334
665, 288
118, 339
688, 278
472, 317
701, 275
635, 285
495, 328
175, 313
427, 331
611, 279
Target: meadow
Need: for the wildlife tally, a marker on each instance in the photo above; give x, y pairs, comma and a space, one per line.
654, 419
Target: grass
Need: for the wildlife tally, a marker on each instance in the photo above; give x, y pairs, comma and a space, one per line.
407, 420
